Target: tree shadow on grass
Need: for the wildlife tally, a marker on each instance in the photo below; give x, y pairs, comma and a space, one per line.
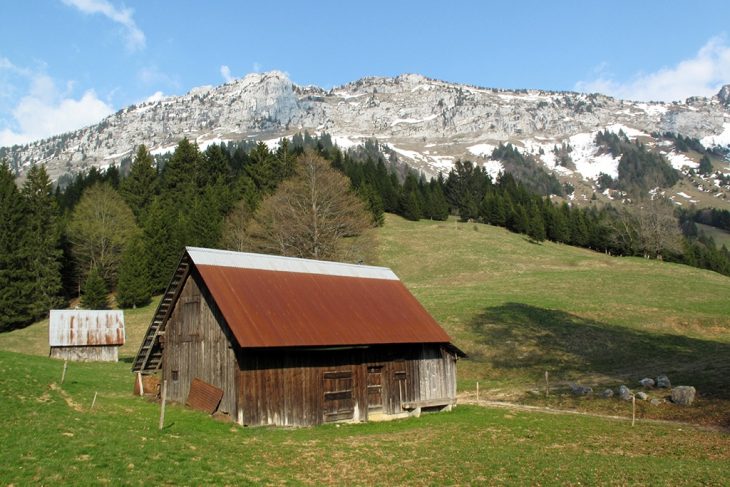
533, 340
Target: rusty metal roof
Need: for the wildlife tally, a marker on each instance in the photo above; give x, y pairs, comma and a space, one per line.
81, 327
288, 302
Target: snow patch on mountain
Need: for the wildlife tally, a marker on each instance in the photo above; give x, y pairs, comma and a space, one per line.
722, 139
588, 162
680, 161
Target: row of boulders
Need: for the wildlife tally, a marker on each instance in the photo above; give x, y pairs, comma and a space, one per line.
682, 395
661, 382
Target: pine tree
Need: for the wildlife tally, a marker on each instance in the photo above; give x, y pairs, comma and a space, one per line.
141, 185
179, 174
134, 287
14, 301
94, 291
536, 230
164, 242
705, 165
439, 205
42, 239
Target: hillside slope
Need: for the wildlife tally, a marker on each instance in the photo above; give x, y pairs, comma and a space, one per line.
519, 309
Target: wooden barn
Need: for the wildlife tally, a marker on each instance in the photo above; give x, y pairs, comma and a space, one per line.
86, 335
286, 341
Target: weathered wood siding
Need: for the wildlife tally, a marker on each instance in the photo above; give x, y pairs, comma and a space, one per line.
196, 345
106, 353
307, 387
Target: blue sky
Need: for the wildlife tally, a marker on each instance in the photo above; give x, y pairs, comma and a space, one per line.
68, 63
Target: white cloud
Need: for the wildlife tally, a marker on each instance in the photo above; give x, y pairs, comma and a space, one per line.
226, 73
702, 75
44, 111
123, 16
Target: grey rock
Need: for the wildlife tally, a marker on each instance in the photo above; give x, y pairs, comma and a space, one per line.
624, 393
642, 395
580, 390
724, 95
407, 111
607, 393
656, 402
683, 395
663, 382
647, 382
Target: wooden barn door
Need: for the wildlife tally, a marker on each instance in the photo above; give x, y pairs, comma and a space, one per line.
375, 387
339, 403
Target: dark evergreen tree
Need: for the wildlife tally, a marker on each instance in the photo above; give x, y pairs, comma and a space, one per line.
141, 185
41, 254
439, 205
134, 285
705, 165
179, 174
164, 242
14, 296
94, 291
536, 230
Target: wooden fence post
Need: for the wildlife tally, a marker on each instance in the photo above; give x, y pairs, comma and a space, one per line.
477, 393
162, 408
633, 410
139, 383
93, 401
63, 374
547, 384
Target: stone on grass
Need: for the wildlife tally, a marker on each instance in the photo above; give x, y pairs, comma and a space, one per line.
663, 382
624, 393
647, 382
607, 393
642, 395
656, 402
683, 395
580, 390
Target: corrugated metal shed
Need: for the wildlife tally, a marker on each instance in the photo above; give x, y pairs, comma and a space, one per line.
272, 301
74, 328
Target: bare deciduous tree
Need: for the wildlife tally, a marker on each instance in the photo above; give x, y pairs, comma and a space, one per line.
310, 215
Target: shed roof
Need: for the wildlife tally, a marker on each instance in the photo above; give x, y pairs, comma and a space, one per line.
81, 327
272, 301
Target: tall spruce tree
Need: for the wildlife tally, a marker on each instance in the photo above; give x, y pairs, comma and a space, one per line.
42, 243
134, 287
94, 291
141, 185
14, 300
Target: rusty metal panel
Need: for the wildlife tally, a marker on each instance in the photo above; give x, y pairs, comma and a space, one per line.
203, 396
269, 308
81, 327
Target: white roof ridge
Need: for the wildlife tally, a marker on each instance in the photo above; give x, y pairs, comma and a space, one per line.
248, 260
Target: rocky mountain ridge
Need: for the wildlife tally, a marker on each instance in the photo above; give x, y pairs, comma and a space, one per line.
429, 123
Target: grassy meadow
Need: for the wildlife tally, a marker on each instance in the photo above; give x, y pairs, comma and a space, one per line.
51, 435
516, 308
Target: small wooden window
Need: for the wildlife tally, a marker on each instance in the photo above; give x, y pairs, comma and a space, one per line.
174, 375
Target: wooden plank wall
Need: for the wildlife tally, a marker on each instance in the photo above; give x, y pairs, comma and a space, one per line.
106, 353
289, 387
197, 346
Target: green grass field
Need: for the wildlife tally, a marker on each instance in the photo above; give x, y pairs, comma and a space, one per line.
517, 308
50, 435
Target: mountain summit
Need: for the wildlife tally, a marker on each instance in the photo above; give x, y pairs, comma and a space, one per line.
428, 123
